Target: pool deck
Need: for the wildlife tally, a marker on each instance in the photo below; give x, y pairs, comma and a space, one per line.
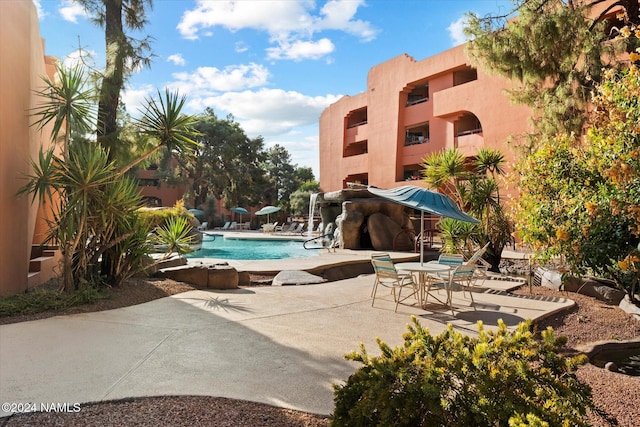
281, 345
326, 257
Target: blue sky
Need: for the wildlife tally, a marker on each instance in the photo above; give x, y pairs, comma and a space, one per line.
274, 65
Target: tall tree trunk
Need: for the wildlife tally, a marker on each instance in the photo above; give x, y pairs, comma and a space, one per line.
113, 78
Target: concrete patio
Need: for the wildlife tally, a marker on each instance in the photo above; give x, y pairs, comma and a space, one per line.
278, 345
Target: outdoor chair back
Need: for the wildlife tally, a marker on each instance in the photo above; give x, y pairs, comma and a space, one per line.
387, 276
451, 259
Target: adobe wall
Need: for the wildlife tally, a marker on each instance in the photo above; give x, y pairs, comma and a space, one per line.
22, 64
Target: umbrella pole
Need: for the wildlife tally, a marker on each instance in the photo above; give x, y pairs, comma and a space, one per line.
421, 237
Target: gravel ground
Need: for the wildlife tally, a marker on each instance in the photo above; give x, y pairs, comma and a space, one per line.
590, 321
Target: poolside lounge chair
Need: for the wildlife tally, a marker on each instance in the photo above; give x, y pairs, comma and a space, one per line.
388, 276
268, 227
298, 229
203, 226
481, 265
225, 226
291, 227
233, 225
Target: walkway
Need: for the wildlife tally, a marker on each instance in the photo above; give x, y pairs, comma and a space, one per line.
278, 345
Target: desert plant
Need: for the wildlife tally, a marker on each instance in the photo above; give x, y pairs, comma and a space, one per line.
174, 236
499, 378
473, 185
457, 236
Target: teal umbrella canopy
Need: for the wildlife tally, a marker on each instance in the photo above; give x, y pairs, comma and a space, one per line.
268, 210
425, 201
241, 211
198, 213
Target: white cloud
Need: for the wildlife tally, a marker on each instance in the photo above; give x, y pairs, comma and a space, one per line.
177, 59
290, 24
211, 79
299, 50
269, 112
241, 47
41, 12
456, 31
80, 57
338, 15
70, 11
135, 99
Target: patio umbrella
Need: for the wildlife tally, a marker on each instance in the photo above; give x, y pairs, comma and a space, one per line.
425, 201
198, 213
268, 210
241, 211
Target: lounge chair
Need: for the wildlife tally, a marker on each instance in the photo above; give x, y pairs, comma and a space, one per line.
298, 229
388, 276
203, 226
481, 265
233, 225
289, 229
225, 226
268, 227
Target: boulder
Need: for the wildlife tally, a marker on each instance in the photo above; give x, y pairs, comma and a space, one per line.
222, 277
382, 231
296, 277
219, 276
594, 288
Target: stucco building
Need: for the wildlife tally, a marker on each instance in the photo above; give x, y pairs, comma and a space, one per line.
23, 224
412, 108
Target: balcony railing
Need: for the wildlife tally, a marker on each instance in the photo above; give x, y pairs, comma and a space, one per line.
352, 125
414, 101
415, 140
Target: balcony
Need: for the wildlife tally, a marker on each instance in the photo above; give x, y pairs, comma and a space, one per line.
356, 134
469, 142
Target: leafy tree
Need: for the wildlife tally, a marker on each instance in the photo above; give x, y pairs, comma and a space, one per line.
554, 54
495, 379
124, 54
225, 164
300, 199
581, 196
281, 175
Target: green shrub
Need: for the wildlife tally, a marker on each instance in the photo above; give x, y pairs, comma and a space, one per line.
44, 299
160, 217
499, 378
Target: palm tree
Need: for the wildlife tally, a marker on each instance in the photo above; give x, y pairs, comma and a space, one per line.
475, 189
95, 221
68, 102
444, 170
123, 55
165, 124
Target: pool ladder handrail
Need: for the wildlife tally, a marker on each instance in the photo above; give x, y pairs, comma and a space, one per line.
329, 235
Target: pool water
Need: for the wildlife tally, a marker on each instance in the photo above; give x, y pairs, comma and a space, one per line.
246, 249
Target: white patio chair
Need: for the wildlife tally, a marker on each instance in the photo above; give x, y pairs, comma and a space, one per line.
387, 276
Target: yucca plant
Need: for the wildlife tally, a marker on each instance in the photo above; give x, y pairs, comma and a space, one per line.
95, 218
174, 236
164, 122
68, 102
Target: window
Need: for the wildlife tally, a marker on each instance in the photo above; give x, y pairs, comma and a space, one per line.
357, 117
417, 135
418, 94
464, 76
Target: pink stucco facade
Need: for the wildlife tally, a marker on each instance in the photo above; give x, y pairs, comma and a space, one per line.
410, 109
22, 65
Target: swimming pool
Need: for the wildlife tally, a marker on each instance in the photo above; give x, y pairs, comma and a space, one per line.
251, 249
